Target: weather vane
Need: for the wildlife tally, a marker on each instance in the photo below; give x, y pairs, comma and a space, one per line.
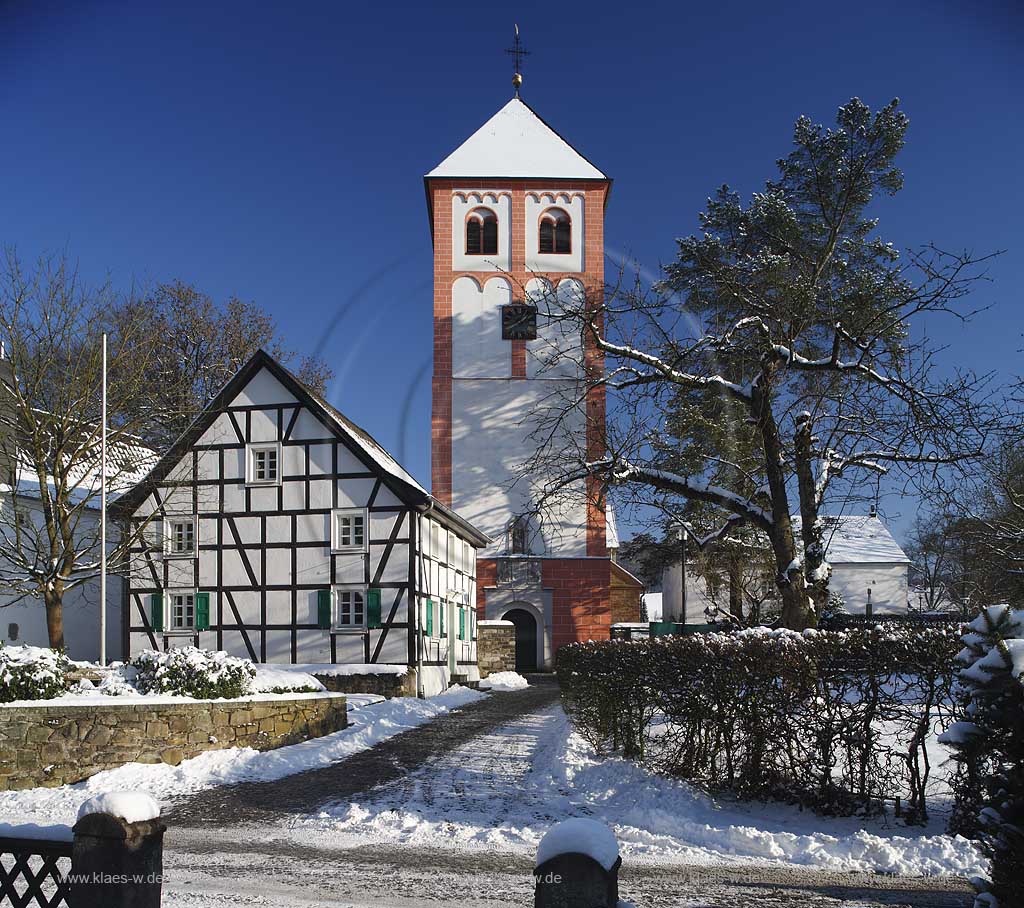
518, 52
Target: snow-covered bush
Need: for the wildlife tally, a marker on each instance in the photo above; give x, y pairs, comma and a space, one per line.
835, 607
989, 744
773, 713
272, 680
32, 673
193, 672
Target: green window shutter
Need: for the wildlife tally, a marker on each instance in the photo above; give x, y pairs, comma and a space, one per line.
373, 619
324, 609
156, 611
430, 618
462, 623
202, 611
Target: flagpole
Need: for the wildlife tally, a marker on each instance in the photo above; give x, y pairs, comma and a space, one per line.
103, 511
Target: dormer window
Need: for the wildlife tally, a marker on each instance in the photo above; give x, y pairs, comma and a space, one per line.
482, 232
555, 232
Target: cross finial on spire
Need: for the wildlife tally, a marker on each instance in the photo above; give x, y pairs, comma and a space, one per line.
517, 51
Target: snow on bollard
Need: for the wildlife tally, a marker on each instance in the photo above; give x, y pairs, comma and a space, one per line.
118, 854
577, 866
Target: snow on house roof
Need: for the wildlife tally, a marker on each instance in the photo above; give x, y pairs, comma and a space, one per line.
859, 539
516, 142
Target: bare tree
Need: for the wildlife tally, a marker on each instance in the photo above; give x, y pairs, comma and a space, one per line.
50, 427
775, 370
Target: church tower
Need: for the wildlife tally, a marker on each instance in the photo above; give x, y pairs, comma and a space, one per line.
517, 215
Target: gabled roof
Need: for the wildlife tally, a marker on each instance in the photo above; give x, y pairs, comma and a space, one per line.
858, 539
364, 445
516, 143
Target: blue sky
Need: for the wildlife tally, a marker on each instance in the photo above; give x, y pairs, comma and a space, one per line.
276, 151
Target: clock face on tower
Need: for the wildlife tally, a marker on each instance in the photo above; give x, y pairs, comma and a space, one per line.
519, 322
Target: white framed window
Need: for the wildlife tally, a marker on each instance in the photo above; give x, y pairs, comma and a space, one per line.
182, 611
180, 535
263, 464
350, 608
348, 530
436, 546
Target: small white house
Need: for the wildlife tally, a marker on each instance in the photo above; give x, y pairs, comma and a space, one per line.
868, 567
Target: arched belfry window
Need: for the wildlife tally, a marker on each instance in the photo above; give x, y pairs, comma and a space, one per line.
524, 535
555, 232
482, 232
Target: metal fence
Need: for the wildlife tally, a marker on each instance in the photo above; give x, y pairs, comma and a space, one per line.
35, 871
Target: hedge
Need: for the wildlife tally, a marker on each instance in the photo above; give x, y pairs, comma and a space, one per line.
833, 720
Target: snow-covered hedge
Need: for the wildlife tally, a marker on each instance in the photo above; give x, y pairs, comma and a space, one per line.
989, 742
32, 673
192, 672
834, 720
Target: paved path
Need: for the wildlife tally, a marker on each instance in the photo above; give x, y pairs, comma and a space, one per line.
388, 761
249, 845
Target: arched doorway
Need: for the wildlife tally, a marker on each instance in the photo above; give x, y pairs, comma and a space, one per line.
526, 639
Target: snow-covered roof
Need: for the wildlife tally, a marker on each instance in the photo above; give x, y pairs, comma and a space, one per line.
859, 539
516, 142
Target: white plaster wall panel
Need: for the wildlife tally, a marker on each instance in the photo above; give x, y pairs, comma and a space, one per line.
536, 204
558, 350
386, 498
293, 458
279, 607
311, 528
207, 499
208, 464
262, 425
263, 498
312, 566
234, 464
234, 499
396, 569
320, 458
382, 525
351, 647
314, 645
181, 472
306, 427
490, 430
263, 388
354, 493
294, 498
395, 649
178, 500
279, 564
888, 584
220, 432
348, 462
180, 573
279, 527
279, 644
249, 530
477, 348
463, 202
234, 570
349, 568
208, 573
321, 493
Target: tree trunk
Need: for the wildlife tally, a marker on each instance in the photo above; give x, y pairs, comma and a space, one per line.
815, 576
736, 591
53, 600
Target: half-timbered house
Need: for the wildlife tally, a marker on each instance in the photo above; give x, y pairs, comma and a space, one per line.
278, 530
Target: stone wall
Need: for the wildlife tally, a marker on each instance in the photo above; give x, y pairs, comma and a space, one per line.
384, 685
57, 744
496, 647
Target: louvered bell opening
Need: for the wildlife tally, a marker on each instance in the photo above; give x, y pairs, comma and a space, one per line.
547, 236
563, 236
473, 237
490, 236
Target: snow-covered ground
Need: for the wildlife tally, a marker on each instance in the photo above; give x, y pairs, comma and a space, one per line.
371, 719
503, 792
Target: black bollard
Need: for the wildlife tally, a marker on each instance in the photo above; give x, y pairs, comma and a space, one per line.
117, 864
576, 881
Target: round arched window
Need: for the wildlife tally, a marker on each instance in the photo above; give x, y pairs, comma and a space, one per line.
555, 232
481, 232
